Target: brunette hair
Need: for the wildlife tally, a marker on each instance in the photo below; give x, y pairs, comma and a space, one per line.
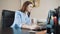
24, 7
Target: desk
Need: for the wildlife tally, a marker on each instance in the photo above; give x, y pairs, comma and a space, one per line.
20, 31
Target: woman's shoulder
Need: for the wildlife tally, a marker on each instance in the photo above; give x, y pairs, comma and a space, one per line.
18, 12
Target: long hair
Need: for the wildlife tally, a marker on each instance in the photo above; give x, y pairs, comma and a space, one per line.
24, 7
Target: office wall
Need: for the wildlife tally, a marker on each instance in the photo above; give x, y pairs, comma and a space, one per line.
59, 2
45, 6
39, 12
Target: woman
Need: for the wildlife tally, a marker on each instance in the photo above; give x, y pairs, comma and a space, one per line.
22, 17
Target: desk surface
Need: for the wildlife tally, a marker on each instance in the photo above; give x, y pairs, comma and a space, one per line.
20, 31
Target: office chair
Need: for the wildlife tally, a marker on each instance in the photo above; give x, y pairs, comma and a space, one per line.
7, 18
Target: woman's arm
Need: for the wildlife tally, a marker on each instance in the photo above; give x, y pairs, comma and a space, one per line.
17, 20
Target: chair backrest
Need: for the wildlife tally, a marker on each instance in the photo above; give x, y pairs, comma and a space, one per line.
7, 18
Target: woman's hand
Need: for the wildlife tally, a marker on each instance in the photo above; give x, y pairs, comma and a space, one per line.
25, 26
33, 26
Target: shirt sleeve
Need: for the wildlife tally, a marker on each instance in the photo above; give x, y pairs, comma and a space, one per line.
17, 20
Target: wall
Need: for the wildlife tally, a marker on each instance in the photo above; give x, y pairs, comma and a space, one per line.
39, 13
45, 6
59, 2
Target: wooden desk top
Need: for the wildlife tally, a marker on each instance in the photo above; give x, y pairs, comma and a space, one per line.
20, 31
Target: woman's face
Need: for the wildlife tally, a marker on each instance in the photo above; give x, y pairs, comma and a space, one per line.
29, 7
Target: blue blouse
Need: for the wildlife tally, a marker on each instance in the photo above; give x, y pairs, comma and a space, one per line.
20, 18
50, 13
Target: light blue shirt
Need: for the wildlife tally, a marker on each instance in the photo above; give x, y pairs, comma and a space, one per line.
50, 13
20, 18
